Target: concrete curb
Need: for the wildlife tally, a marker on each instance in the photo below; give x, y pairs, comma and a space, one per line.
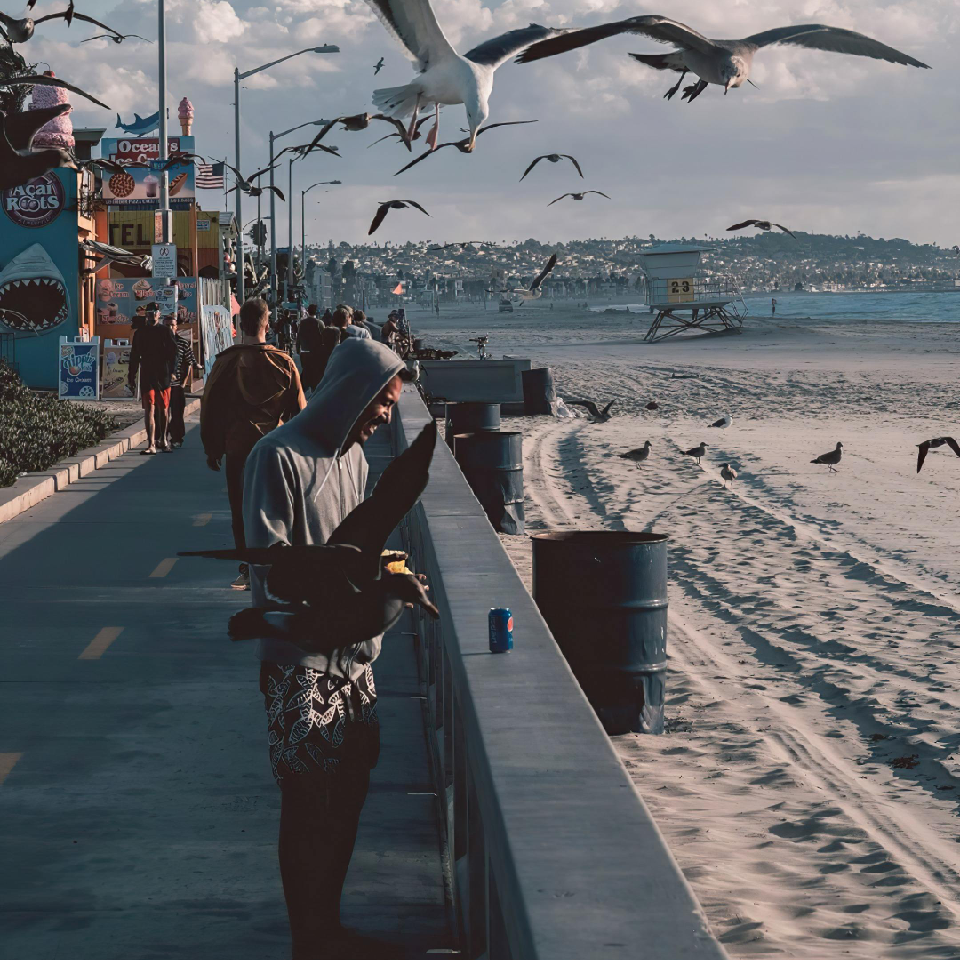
31, 488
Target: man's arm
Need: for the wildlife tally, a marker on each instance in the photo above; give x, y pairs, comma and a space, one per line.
213, 414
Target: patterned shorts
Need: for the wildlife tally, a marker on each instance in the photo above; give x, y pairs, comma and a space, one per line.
316, 722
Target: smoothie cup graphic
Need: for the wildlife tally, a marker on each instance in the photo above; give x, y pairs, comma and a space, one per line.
152, 185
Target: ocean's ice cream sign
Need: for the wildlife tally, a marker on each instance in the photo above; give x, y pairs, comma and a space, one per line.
36, 202
142, 149
139, 186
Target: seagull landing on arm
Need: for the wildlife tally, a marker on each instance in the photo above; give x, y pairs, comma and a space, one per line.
553, 158
726, 63
928, 445
577, 196
765, 225
445, 77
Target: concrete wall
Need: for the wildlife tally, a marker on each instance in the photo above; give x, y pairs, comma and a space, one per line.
553, 854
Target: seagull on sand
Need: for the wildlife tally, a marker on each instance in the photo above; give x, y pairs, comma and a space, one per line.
928, 445
639, 455
652, 405
577, 196
553, 158
385, 208
599, 416
696, 452
764, 225
831, 459
445, 77
726, 63
723, 422
728, 473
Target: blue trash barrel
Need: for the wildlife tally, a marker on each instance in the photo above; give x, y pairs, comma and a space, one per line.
604, 596
493, 466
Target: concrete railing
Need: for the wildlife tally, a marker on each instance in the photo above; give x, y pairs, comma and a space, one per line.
553, 854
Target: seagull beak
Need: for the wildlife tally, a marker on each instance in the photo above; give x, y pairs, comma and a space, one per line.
726, 89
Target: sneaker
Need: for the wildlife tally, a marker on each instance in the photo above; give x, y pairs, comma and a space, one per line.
243, 581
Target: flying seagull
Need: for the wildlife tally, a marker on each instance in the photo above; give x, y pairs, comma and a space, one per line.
20, 31
553, 158
464, 243
576, 196
728, 473
696, 452
599, 416
360, 121
378, 66
638, 456
462, 145
385, 208
725, 63
830, 459
44, 81
928, 445
534, 292
247, 186
117, 37
345, 583
765, 225
445, 77
723, 422
16, 135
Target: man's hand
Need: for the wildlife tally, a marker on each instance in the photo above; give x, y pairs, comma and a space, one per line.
214, 464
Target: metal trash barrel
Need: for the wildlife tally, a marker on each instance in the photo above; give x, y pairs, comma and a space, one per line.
493, 465
417, 344
539, 393
471, 418
604, 596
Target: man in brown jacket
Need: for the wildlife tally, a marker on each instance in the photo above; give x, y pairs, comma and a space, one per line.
252, 388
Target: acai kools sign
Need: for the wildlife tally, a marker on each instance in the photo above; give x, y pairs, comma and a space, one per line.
35, 203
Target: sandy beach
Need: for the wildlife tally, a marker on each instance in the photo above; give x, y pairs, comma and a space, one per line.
808, 780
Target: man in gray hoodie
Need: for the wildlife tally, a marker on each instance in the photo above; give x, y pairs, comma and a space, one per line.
300, 483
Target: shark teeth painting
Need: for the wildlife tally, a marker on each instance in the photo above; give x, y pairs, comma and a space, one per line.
31, 286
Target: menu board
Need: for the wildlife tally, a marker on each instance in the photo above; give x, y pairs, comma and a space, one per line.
115, 367
120, 300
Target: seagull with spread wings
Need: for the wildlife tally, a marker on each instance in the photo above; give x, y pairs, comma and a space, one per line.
20, 31
445, 77
577, 196
462, 145
726, 63
924, 448
360, 121
45, 81
765, 225
535, 292
117, 37
385, 208
247, 186
553, 158
598, 415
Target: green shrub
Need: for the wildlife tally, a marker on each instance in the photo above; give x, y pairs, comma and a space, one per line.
37, 431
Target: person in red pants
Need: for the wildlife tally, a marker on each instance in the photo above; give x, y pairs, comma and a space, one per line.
252, 388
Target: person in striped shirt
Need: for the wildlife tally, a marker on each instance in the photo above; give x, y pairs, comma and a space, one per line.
185, 363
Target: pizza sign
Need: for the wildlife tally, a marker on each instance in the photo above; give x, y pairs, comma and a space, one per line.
35, 203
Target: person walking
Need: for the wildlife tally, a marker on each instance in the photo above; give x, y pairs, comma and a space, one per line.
302, 480
311, 346
252, 389
390, 331
153, 355
183, 365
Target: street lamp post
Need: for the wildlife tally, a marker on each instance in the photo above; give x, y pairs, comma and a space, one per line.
164, 180
303, 219
237, 77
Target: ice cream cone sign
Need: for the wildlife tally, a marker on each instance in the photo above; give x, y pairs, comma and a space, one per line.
185, 115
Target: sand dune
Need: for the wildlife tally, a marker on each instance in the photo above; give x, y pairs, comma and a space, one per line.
808, 780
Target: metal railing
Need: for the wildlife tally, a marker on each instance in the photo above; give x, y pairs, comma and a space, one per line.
552, 854
678, 293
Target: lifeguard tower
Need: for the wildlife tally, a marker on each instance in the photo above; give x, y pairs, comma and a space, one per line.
684, 298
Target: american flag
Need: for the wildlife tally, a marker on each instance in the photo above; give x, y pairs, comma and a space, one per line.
210, 176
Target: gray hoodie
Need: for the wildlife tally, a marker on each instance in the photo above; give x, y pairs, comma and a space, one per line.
298, 487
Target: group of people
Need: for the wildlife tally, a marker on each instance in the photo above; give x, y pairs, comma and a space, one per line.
295, 470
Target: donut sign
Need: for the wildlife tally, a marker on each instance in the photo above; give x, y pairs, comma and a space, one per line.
36, 203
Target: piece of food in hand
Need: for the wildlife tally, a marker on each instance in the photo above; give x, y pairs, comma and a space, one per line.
398, 564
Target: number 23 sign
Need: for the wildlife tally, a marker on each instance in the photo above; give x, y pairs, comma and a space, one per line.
679, 291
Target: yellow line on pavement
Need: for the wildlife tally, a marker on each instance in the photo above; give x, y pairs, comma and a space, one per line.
202, 519
164, 567
7, 762
98, 645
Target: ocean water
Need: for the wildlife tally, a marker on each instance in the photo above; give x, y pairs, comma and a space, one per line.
910, 307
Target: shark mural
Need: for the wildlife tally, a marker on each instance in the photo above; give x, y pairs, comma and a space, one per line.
140, 125
33, 293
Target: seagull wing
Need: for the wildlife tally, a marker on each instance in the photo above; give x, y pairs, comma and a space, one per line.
602, 194
780, 226
544, 273
44, 81
819, 36
922, 450
415, 205
22, 127
606, 409
741, 226
494, 52
532, 165
552, 202
422, 157
277, 191
658, 28
379, 216
590, 406
414, 24
573, 160
953, 445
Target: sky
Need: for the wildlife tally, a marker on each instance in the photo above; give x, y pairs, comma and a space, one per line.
827, 144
